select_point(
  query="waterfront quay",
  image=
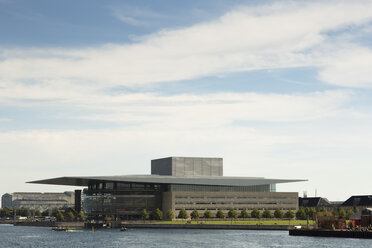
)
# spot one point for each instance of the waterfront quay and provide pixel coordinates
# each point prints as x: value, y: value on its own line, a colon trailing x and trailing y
x: 332, y: 233
x: 208, y: 226
x: 226, y: 225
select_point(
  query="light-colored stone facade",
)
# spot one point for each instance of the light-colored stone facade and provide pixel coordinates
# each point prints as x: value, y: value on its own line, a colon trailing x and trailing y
x: 42, y: 201
x: 225, y: 201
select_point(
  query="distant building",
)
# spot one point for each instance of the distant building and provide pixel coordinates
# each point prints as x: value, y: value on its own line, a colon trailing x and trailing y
x: 38, y: 201
x: 336, y: 204
x: 357, y: 203
x: 362, y: 218
x: 178, y: 183
x: 6, y: 201
x: 314, y: 202
x: 366, y: 217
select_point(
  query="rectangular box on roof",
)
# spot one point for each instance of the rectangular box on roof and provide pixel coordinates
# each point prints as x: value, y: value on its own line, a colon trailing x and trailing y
x: 187, y: 166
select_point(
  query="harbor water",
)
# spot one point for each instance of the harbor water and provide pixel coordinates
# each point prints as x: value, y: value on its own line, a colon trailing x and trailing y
x: 20, y: 236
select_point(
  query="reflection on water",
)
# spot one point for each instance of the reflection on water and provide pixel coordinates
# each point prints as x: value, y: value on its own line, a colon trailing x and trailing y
x: 16, y: 236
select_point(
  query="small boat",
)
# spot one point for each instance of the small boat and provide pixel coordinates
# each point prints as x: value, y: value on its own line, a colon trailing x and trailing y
x: 123, y: 228
x: 64, y: 229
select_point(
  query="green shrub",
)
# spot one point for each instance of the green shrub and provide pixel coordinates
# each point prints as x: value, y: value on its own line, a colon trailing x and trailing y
x: 71, y: 215
x: 300, y: 214
x: 145, y: 215
x: 278, y: 214
x: 342, y: 213
x: 158, y: 214
x: 289, y: 214
x: 207, y: 214
x: 170, y: 214
x: 267, y: 214
x: 244, y: 214
x: 60, y: 216
x: 183, y: 214
x: 348, y: 213
x: 80, y: 215
x: 194, y: 214
x: 220, y: 214
x: 232, y: 213
x: 255, y: 213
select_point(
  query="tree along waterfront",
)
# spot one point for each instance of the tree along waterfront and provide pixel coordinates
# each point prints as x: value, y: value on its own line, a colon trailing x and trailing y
x: 71, y: 215
x: 59, y: 214
x: 266, y: 216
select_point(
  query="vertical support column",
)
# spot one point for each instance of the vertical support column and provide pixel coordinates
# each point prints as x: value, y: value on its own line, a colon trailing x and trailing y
x: 77, y: 200
x: 167, y: 203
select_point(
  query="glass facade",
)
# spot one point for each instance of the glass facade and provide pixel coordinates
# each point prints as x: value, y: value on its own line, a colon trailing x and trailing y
x: 120, y: 200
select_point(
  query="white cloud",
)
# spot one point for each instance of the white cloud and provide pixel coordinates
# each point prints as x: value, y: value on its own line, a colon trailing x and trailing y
x: 224, y: 108
x: 181, y: 110
x: 276, y: 36
x: 349, y: 68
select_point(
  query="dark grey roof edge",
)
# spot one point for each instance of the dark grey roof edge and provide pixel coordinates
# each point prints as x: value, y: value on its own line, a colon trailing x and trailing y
x: 184, y: 157
x: 222, y: 181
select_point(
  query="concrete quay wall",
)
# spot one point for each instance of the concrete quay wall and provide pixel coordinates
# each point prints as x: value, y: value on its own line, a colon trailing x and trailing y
x: 209, y: 226
x: 51, y: 224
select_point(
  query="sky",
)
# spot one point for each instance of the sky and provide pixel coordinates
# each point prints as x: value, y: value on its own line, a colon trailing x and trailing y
x: 278, y: 89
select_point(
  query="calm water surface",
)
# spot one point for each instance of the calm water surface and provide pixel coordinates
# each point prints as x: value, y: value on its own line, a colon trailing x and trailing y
x: 16, y: 236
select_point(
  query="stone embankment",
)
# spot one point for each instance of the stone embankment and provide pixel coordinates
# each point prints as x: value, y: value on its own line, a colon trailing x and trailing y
x: 149, y: 224
x: 50, y: 224
x: 208, y: 226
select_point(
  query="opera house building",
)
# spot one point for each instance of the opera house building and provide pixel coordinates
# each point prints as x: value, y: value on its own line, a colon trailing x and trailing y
x: 177, y: 183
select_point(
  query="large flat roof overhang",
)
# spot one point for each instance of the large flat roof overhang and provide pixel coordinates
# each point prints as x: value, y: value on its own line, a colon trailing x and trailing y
x: 155, y: 179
